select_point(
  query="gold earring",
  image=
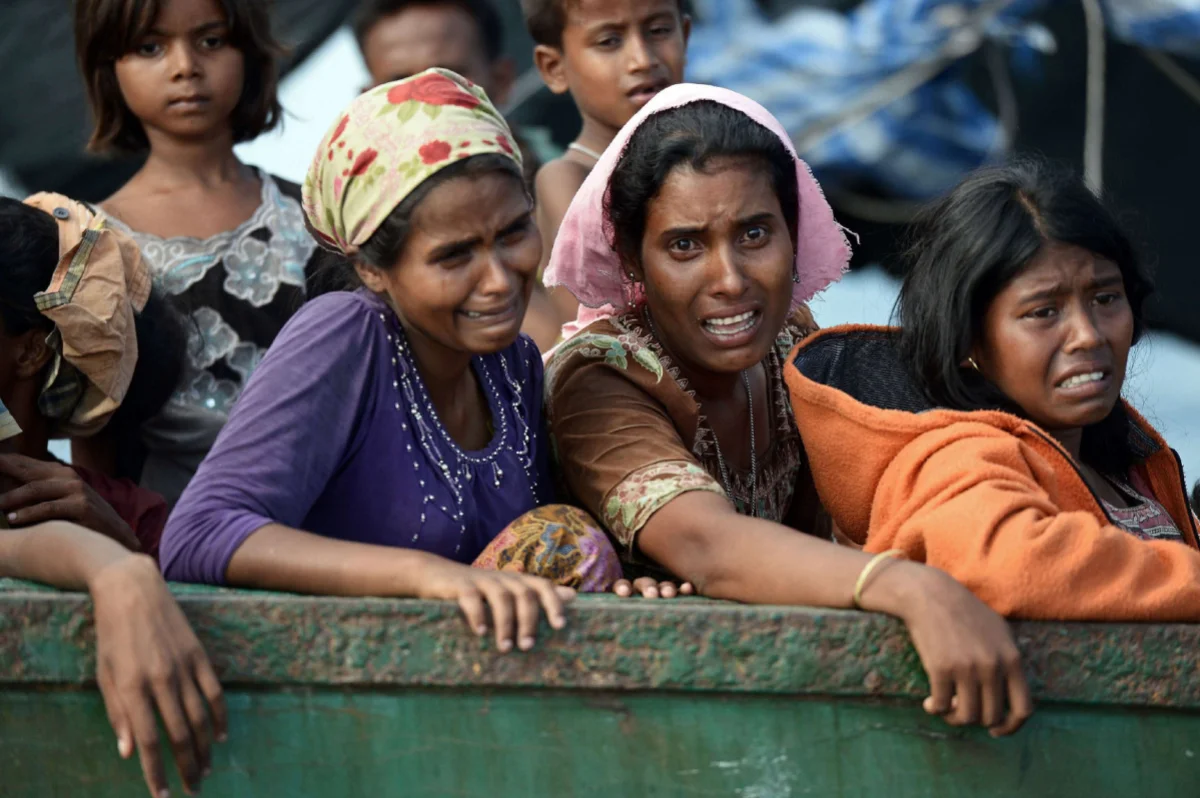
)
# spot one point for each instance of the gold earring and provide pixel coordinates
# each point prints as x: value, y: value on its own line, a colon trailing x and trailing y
x: 971, y: 362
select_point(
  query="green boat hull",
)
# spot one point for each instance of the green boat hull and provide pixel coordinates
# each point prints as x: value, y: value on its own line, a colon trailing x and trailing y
x: 348, y: 698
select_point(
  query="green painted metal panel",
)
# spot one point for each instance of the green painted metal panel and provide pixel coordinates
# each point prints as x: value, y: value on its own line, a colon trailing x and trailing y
x: 502, y: 744
x: 353, y: 697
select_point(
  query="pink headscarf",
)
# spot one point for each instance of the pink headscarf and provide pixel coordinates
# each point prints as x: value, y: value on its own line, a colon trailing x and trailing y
x: 583, y: 259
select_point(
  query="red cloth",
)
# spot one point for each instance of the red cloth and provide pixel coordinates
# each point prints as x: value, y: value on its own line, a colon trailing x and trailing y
x: 145, y: 511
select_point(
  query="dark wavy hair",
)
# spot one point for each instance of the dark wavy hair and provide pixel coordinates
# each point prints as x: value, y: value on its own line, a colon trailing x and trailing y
x: 965, y: 248
x: 107, y: 30
x: 694, y: 135
x: 29, y: 253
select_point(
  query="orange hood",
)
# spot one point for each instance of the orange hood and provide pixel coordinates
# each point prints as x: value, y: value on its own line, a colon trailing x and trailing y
x: 984, y: 495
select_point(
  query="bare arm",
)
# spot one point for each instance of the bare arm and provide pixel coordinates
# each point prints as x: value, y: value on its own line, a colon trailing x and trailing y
x: 557, y: 184
x: 542, y: 321
x: 699, y: 537
x: 277, y: 557
x: 148, y: 660
x: 57, y: 553
x: 968, y: 650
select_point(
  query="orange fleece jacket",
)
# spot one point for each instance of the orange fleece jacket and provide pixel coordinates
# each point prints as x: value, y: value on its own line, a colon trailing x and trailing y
x: 987, y: 497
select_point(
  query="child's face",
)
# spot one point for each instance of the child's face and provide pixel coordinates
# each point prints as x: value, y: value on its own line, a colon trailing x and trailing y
x: 184, y: 78
x: 1056, y: 339
x: 425, y: 36
x: 618, y: 54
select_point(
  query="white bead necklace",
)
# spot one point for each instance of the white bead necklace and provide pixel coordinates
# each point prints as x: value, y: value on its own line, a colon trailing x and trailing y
x: 453, y: 465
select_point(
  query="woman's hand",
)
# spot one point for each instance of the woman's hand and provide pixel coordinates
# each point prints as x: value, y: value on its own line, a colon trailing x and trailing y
x: 513, y: 598
x: 148, y: 659
x: 50, y: 491
x: 974, y: 666
x: 651, y: 588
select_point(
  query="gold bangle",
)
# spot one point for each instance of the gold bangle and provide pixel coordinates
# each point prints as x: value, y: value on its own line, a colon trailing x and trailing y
x: 869, y: 568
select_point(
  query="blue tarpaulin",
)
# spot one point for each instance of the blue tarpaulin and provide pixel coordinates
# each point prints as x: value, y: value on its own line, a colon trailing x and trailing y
x: 877, y: 94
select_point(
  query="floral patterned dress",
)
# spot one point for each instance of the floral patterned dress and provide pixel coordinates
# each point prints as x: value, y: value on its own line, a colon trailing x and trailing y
x: 630, y: 435
x: 237, y: 289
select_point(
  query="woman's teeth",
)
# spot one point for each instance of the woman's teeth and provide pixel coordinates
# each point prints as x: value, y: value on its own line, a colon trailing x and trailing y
x: 732, y: 325
x: 1081, y: 379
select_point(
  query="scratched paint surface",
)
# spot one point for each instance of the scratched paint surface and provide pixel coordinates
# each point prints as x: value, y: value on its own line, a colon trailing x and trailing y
x: 612, y: 644
x: 497, y: 744
x: 334, y: 698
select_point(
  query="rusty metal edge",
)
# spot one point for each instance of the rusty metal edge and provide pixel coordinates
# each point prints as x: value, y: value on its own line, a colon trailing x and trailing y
x: 264, y: 639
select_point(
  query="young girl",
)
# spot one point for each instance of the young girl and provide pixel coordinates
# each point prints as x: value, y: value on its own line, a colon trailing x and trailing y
x: 184, y: 81
x: 987, y: 436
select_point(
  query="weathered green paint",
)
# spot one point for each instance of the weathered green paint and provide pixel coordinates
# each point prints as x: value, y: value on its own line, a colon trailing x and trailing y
x: 506, y: 744
x: 268, y: 638
x: 384, y: 697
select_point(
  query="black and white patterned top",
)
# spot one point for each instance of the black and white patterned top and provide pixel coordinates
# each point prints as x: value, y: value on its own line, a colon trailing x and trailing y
x: 237, y: 290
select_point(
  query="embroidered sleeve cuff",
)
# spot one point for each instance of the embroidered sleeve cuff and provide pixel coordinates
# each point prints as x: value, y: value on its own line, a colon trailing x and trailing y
x: 640, y: 495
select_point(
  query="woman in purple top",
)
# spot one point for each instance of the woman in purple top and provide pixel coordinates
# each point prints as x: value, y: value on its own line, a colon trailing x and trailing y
x: 393, y: 435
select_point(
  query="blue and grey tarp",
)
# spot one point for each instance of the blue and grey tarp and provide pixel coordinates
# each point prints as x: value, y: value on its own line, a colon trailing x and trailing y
x: 877, y: 95
x: 1172, y: 25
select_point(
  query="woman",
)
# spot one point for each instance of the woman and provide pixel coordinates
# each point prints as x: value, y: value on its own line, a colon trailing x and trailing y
x: 671, y: 417
x: 988, y: 435
x: 392, y: 433
x: 75, y: 303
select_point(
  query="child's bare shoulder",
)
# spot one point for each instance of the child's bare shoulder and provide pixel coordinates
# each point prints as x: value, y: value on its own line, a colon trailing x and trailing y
x: 558, y: 181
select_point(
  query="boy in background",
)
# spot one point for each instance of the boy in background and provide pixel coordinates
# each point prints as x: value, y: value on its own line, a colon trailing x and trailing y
x: 613, y: 56
x: 401, y: 38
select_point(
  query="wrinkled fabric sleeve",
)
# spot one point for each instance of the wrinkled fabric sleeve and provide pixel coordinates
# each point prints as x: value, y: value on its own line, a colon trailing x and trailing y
x: 620, y: 453
x: 975, y: 506
x: 287, y: 435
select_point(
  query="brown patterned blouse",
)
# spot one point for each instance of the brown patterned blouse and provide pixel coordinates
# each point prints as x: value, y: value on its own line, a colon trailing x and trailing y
x: 631, y: 437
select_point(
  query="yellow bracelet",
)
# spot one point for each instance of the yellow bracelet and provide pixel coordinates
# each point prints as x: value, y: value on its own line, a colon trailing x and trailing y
x: 869, y: 568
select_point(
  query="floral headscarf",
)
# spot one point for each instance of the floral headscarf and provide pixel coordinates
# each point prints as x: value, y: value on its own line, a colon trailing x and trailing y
x: 583, y: 259
x: 99, y: 286
x: 389, y: 141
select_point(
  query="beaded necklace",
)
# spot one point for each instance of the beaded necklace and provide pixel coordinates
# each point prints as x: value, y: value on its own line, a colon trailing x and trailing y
x: 454, y: 466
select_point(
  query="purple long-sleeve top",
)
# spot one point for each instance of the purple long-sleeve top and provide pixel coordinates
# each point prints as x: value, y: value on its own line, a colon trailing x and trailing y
x: 335, y: 435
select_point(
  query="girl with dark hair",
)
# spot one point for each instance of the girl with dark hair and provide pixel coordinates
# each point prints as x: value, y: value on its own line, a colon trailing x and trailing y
x: 697, y: 240
x: 987, y: 436
x: 183, y: 81
x: 393, y: 436
x: 74, y: 300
